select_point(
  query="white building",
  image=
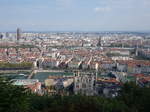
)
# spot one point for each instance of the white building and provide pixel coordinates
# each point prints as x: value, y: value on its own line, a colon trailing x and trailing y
x: 84, y: 84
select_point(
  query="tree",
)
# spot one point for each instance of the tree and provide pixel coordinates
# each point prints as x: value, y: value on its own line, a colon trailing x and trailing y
x: 135, y: 97
x: 12, y: 98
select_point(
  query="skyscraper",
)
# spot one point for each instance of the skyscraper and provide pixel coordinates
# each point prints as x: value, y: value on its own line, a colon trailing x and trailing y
x: 99, y: 44
x: 1, y: 36
x: 18, y: 33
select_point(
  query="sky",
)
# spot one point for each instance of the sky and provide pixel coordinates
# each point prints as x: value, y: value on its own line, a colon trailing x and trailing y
x: 75, y: 15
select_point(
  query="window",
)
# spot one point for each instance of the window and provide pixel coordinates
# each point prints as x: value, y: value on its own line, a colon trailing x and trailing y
x: 83, y: 85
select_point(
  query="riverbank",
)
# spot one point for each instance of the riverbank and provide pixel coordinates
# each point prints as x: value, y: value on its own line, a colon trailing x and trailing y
x: 14, y: 71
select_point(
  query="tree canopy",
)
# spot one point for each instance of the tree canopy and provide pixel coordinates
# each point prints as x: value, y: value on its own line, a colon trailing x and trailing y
x: 12, y: 98
x: 132, y: 98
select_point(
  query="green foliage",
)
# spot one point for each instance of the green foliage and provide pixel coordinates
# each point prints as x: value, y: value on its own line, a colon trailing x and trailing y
x: 113, y: 54
x: 132, y: 98
x: 142, y: 58
x: 15, y: 65
x: 12, y: 98
x: 119, y: 45
x: 26, y: 46
x: 135, y: 97
x: 17, y: 99
x: 76, y: 104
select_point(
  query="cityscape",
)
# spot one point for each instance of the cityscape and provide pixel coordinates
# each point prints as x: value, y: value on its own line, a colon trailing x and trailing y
x: 79, y: 62
x: 74, y: 56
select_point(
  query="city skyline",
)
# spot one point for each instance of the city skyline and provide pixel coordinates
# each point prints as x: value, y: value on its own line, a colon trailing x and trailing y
x: 75, y: 15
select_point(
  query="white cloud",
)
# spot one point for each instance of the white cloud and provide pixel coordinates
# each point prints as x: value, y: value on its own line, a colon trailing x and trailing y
x: 102, y: 9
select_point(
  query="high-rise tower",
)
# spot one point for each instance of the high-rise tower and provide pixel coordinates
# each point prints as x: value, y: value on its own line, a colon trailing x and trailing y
x: 1, y: 36
x: 18, y: 34
x: 100, y: 42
